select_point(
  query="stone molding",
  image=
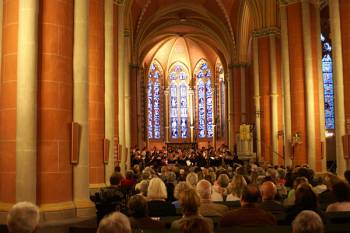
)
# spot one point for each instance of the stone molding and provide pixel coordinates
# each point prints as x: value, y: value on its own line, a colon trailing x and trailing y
x: 264, y: 32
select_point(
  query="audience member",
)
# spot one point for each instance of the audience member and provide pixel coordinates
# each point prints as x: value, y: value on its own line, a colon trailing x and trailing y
x: 248, y: 215
x: 268, y: 192
x: 190, y: 202
x: 219, y: 189
x: 23, y: 217
x: 170, y: 185
x: 207, y: 207
x: 307, y: 221
x: 157, y: 195
x: 192, y: 179
x: 139, y: 219
x: 289, y: 201
x: 341, y: 191
x: 305, y: 199
x: 195, y: 225
x: 114, y: 223
x: 347, y: 175
x: 327, y: 197
x: 235, y: 188
x: 179, y: 188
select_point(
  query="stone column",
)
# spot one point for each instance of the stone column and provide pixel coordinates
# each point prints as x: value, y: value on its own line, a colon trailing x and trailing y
x: 274, y: 98
x: 140, y: 112
x: 243, y: 94
x: 1, y: 22
x: 287, y: 119
x: 80, y: 103
x: 338, y: 84
x: 309, y: 86
x: 257, y: 97
x: 26, y: 115
x: 322, y: 125
x: 127, y: 99
x: 191, y: 112
x: 231, y: 133
x: 121, y: 76
x: 166, y: 105
x: 109, y: 87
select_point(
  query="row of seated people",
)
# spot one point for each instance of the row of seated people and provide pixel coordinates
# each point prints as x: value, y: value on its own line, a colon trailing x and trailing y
x: 258, y: 205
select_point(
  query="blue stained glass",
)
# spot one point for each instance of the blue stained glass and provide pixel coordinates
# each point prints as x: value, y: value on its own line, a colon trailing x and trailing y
x: 327, y: 70
x: 150, y: 110
x: 154, y: 101
x: 205, y: 101
x: 209, y: 96
x: 178, y: 102
x: 201, y: 109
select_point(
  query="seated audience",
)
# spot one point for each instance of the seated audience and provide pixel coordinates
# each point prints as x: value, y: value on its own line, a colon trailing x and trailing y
x: 195, y: 225
x: 341, y: 191
x: 327, y: 197
x: 249, y: 215
x: 192, y: 179
x: 114, y: 223
x: 207, y: 207
x: 157, y: 195
x: 289, y: 201
x: 307, y: 221
x: 23, y: 217
x: 235, y: 188
x: 305, y: 199
x: 268, y: 192
x: 219, y: 191
x: 179, y: 188
x: 139, y: 219
x: 190, y: 202
x: 170, y: 185
x: 347, y: 176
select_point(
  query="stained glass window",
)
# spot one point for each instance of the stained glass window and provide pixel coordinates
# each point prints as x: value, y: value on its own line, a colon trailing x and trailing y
x: 205, y: 100
x: 155, y: 75
x: 178, y: 87
x: 327, y: 72
x: 219, y: 74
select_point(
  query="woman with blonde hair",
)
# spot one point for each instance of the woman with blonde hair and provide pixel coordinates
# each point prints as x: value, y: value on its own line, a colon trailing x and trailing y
x: 156, y: 196
x: 235, y: 188
x: 190, y: 202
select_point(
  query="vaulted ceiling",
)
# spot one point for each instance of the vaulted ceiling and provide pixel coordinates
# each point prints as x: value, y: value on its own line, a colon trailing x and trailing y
x: 224, y: 25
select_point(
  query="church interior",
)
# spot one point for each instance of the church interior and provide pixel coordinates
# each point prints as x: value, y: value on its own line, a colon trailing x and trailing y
x: 86, y: 83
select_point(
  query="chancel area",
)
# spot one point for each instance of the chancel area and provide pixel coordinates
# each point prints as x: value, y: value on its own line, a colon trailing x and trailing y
x: 193, y: 116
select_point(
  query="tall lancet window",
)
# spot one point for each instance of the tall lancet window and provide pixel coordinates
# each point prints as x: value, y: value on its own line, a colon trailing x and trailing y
x: 178, y: 86
x: 220, y: 97
x: 204, y: 100
x: 327, y: 71
x: 155, y: 75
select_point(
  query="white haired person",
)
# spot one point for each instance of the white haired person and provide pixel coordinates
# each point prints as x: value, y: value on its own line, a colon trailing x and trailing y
x: 157, y: 195
x: 307, y: 221
x: 114, y: 223
x: 23, y: 218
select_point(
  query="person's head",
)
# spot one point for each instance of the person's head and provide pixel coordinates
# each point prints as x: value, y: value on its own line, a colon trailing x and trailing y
x: 307, y: 221
x: 250, y: 195
x: 180, y: 187
x: 170, y: 177
x: 204, y: 189
x: 305, y: 198
x: 341, y: 191
x: 347, y: 175
x: 143, y: 188
x: 195, y: 224
x: 268, y: 191
x: 237, y: 184
x: 138, y: 206
x: 300, y: 180
x: 156, y: 189
x: 23, y: 217
x: 114, y: 223
x: 115, y: 178
x: 129, y: 174
x: 330, y: 180
x: 189, y: 202
x: 223, y: 180
x: 192, y: 179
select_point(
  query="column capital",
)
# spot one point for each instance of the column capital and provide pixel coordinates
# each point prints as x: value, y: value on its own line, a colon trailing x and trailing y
x: 119, y: 2
x: 126, y: 32
x: 264, y: 32
x: 237, y: 65
x: 290, y: 2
